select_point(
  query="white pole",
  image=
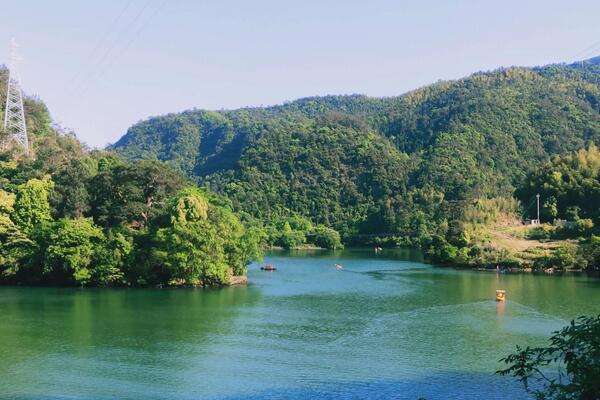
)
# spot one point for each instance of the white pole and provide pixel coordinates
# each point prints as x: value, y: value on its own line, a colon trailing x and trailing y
x: 538, y: 208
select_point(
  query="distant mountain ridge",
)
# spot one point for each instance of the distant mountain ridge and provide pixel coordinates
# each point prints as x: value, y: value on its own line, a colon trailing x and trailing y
x: 593, y: 60
x: 359, y: 164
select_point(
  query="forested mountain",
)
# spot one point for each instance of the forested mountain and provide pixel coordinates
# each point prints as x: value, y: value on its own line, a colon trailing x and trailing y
x: 410, y: 166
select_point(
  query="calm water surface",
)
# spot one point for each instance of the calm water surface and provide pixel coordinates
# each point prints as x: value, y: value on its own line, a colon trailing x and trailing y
x: 386, y: 326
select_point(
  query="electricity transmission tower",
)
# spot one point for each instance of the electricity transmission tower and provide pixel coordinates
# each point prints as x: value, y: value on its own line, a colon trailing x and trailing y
x: 14, y: 113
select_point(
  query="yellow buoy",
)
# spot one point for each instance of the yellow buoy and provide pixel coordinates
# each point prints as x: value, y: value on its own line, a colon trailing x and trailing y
x: 500, y: 295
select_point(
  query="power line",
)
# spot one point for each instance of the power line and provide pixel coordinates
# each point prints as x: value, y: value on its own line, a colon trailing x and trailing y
x: 115, y: 43
x: 102, y: 41
x: 132, y: 38
x: 135, y: 35
x: 590, y: 50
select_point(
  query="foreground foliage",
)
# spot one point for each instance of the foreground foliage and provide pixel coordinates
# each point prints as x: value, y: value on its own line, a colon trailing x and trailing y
x: 569, y: 368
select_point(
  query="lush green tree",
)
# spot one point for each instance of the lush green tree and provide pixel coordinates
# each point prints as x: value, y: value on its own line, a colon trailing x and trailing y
x: 7, y: 171
x: 70, y: 253
x: 568, y: 368
x: 203, y: 243
x: 550, y: 208
x: 15, y: 247
x: 191, y: 249
x: 112, y: 258
x: 241, y: 245
x: 564, y: 257
x: 299, y: 223
x: 131, y: 194
x: 31, y: 205
x: 70, y: 196
x: 592, y: 251
x: 7, y: 202
x: 325, y: 237
x: 289, y: 238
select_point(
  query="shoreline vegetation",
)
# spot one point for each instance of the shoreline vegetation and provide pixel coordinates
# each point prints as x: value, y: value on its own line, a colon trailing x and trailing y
x: 101, y: 221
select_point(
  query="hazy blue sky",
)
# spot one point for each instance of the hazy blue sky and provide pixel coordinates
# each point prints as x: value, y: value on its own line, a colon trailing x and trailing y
x: 103, y: 65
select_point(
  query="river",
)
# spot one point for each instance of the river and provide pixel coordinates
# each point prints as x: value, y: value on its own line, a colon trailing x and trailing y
x: 385, y: 326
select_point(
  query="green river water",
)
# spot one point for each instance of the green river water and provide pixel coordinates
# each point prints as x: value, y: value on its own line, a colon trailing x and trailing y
x: 387, y: 326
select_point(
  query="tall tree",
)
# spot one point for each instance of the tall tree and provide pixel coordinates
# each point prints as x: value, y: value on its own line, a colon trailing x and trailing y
x: 31, y: 204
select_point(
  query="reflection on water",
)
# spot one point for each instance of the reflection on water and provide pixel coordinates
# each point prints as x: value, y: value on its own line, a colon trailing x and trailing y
x: 500, y: 308
x: 385, y: 326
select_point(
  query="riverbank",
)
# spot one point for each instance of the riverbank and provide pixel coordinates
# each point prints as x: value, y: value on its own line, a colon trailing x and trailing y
x: 515, y: 247
x: 508, y: 245
x: 302, y: 247
x: 234, y: 280
x: 238, y: 280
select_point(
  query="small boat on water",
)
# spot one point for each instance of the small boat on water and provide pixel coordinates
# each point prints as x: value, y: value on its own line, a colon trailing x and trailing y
x: 338, y: 267
x: 268, y: 267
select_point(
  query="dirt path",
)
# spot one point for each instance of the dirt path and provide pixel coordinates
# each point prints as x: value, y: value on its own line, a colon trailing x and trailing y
x: 504, y: 239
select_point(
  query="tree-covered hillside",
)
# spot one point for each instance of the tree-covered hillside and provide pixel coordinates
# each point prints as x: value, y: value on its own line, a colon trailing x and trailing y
x: 73, y: 217
x: 410, y: 166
